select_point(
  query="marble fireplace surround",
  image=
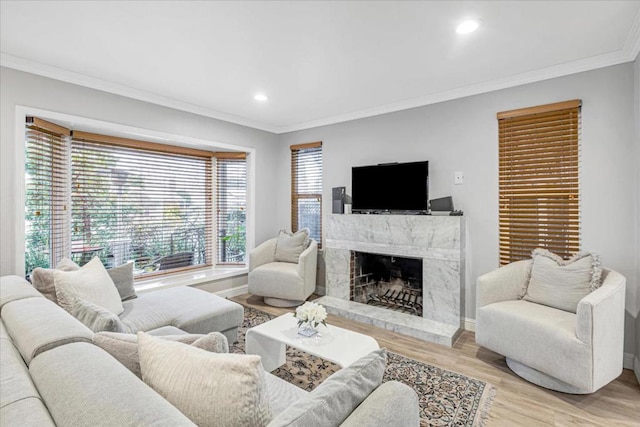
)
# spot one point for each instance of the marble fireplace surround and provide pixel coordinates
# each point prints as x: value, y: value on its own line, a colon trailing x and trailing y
x: 437, y: 240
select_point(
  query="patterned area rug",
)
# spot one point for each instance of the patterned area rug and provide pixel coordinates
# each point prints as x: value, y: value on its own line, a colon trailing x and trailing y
x: 446, y: 398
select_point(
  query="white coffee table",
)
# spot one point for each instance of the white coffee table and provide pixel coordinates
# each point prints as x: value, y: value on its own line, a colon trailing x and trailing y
x: 337, y: 345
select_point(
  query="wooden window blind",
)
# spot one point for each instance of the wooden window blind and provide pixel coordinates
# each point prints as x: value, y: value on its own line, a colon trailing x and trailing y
x: 538, y: 180
x: 47, y: 193
x: 306, y: 188
x: 231, y: 206
x: 133, y: 200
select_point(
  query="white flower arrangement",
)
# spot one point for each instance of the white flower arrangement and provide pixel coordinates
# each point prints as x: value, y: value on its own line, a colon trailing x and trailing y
x: 311, y: 313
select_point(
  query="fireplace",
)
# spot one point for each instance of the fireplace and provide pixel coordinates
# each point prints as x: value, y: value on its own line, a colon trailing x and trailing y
x: 437, y: 242
x: 387, y: 281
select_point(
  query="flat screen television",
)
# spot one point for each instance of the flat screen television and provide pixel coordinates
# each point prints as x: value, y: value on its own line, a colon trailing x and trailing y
x: 391, y: 188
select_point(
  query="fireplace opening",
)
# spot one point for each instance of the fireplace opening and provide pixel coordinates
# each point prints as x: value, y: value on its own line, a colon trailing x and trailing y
x: 387, y: 281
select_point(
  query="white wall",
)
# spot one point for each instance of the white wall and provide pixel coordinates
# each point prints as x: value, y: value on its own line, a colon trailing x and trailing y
x: 461, y: 135
x: 23, y: 89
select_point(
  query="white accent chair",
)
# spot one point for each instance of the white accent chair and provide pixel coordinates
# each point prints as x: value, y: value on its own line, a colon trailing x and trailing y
x: 282, y: 284
x: 574, y: 353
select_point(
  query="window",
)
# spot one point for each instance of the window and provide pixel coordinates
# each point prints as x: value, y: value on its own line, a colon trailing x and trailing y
x: 306, y: 188
x: 122, y: 200
x: 538, y: 180
x: 231, y: 204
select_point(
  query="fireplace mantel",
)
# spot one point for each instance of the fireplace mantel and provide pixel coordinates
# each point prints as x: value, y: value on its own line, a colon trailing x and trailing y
x: 437, y: 240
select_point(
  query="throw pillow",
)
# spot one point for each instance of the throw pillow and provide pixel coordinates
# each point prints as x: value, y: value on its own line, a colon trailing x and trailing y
x: 91, y: 283
x: 96, y: 318
x: 122, y: 277
x: 42, y: 278
x: 290, y: 246
x: 211, y: 389
x: 562, y: 284
x: 124, y: 347
x: 337, y: 397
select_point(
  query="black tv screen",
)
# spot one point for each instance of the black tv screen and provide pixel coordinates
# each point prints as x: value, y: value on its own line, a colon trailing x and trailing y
x: 391, y: 187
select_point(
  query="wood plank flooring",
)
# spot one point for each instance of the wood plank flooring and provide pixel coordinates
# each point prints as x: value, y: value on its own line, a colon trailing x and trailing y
x: 517, y: 402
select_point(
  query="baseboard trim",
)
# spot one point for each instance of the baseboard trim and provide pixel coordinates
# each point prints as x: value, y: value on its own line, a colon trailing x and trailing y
x: 636, y: 367
x: 233, y: 292
x: 627, y: 361
x: 469, y: 324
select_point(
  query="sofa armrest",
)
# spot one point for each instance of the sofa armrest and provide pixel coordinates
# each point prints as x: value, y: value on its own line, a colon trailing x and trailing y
x: 307, y: 266
x: 391, y: 404
x: 503, y: 284
x: 602, y: 309
x: 262, y: 254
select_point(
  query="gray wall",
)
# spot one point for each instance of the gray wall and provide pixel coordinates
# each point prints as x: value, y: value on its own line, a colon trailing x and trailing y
x: 19, y: 88
x: 461, y: 135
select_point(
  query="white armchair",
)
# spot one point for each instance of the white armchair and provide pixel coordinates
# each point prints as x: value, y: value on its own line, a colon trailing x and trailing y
x: 569, y: 352
x: 282, y: 284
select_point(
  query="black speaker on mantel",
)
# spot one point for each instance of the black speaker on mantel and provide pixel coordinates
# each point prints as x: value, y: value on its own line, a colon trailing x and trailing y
x: 338, y: 199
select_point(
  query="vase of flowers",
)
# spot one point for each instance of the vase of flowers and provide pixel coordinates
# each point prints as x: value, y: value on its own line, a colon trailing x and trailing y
x: 309, y: 316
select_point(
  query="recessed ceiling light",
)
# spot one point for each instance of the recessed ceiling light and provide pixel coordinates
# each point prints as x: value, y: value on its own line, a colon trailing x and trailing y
x: 468, y: 26
x: 261, y: 97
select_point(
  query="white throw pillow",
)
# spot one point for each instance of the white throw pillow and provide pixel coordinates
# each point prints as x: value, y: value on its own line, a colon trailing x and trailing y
x: 562, y: 284
x: 290, y: 246
x: 91, y: 283
x: 211, y: 389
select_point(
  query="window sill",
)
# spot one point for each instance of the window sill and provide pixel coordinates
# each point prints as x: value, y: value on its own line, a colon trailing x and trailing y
x: 189, y: 278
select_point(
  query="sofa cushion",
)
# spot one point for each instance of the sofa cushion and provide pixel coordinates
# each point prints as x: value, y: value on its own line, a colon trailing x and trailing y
x: 4, y: 335
x: 37, y: 325
x: 192, y: 310
x: 290, y: 246
x: 541, y: 337
x: 13, y: 288
x: 338, y: 396
x: 91, y: 283
x: 42, y: 278
x: 562, y: 284
x: 15, y: 381
x: 124, y: 347
x: 278, y: 280
x: 26, y: 412
x: 96, y: 318
x: 122, y: 277
x: 85, y: 386
x: 211, y: 389
x: 282, y: 394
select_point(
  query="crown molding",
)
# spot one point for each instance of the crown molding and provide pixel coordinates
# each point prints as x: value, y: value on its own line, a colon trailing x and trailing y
x: 628, y: 53
x: 33, y: 67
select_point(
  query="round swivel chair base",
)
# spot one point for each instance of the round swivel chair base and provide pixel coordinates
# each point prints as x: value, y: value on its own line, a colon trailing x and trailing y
x: 543, y: 380
x: 277, y: 302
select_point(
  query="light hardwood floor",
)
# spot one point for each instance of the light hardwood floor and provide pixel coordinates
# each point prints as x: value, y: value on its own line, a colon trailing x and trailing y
x: 517, y: 402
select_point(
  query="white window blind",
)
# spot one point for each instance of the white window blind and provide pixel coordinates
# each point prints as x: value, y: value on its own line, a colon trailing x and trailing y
x: 231, y: 203
x: 306, y: 188
x: 539, y: 180
x: 47, y: 192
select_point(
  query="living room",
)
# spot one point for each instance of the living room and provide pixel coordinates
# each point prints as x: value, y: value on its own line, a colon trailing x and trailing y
x: 452, y: 127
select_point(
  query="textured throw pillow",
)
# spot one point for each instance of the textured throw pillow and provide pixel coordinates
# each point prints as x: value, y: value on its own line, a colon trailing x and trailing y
x: 210, y: 389
x: 96, y: 318
x: 122, y: 277
x: 124, y: 347
x: 562, y: 284
x: 91, y: 283
x: 42, y: 278
x: 337, y: 397
x: 290, y: 246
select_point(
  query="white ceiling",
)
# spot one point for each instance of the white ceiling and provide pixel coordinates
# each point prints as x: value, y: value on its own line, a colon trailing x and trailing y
x: 319, y: 62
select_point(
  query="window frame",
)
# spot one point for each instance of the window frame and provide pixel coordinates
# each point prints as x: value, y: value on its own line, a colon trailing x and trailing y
x: 181, y: 141
x: 295, y: 196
